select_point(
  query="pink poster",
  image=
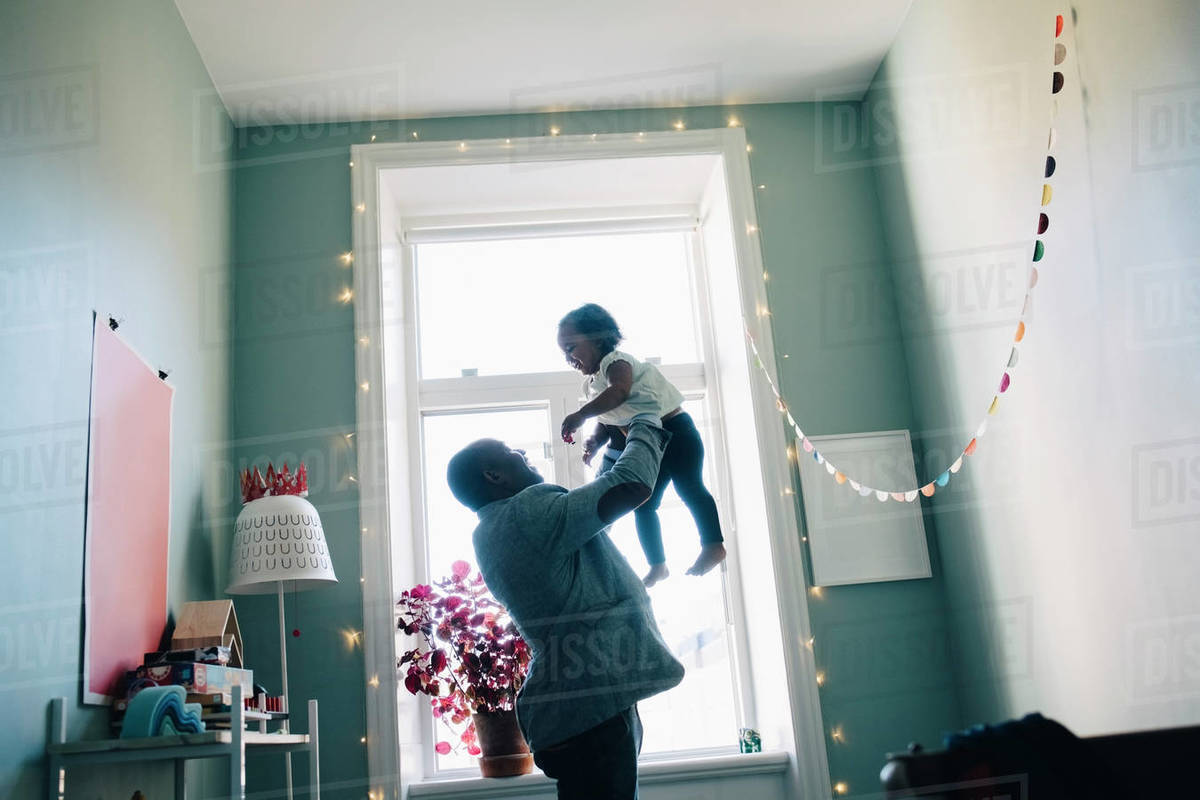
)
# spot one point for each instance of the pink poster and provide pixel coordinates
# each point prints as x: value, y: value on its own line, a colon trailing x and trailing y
x: 128, y: 513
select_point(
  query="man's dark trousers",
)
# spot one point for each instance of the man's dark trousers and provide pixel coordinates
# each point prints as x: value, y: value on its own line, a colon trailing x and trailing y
x: 598, y: 764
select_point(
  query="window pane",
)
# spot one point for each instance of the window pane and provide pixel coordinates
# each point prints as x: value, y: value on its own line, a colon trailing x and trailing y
x: 494, y: 306
x: 701, y: 711
x: 449, y: 524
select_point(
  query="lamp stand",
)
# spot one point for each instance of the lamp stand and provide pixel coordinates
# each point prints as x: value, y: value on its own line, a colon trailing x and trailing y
x: 287, y: 757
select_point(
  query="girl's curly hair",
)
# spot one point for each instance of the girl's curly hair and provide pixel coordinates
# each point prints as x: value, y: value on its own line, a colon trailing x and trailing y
x: 594, y: 322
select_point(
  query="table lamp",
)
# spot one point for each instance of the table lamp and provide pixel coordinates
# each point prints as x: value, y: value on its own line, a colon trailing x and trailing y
x: 278, y: 540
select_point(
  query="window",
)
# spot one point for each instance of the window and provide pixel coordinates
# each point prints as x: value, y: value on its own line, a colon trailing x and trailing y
x: 477, y: 381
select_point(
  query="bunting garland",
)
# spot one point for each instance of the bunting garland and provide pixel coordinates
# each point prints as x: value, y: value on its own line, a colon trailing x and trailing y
x: 909, y: 494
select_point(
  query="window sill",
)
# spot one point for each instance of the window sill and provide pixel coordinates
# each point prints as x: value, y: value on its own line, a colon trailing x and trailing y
x: 649, y: 772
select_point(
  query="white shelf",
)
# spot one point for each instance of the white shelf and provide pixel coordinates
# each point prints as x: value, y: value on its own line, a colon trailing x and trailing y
x: 230, y: 744
x: 249, y: 738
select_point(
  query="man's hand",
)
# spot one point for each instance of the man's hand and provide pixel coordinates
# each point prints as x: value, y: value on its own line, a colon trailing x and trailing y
x: 571, y: 423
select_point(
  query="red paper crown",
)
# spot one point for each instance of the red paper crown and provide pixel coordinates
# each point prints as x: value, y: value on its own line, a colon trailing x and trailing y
x: 254, y: 485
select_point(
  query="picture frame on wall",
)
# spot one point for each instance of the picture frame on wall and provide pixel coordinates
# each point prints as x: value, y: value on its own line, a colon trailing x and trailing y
x: 855, y: 539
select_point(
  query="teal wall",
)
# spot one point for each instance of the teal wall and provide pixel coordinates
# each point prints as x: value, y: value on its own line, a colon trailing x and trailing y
x: 884, y: 646
x: 116, y: 196
x: 1069, y: 542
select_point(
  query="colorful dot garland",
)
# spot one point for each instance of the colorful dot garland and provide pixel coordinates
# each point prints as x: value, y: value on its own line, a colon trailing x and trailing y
x: 909, y: 495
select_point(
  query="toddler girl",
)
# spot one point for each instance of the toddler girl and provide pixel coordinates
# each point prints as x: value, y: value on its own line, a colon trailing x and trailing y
x: 618, y: 388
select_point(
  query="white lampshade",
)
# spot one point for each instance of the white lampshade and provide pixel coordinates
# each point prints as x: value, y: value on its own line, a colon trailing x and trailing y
x: 278, y: 538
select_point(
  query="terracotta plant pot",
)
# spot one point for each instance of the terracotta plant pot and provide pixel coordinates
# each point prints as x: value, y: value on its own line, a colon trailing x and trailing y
x: 505, y: 752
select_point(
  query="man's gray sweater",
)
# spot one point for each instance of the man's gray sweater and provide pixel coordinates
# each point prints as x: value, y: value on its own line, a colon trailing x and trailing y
x: 545, y: 554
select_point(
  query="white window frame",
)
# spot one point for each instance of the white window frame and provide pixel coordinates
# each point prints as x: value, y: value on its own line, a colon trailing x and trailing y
x: 561, y: 392
x: 380, y: 326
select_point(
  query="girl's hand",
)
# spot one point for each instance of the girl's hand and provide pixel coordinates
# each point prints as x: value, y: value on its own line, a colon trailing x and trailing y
x: 571, y: 423
x: 591, y: 446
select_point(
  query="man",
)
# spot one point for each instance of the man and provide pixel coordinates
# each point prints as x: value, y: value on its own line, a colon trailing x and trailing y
x: 597, y: 651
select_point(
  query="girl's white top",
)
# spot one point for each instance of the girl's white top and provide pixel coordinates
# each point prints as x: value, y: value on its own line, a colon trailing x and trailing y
x: 651, y: 393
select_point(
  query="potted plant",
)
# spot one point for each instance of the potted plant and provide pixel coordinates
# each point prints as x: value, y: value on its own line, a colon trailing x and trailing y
x: 471, y: 662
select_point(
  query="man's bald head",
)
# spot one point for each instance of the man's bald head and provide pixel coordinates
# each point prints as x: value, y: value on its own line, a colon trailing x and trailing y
x: 488, y: 470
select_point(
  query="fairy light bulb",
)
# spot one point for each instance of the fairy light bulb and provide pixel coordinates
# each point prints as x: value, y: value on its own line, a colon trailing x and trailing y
x: 372, y: 137
x: 347, y: 295
x: 347, y: 258
x: 364, y: 341
x: 555, y: 130
x: 366, y: 387
x: 361, y: 207
x: 414, y: 135
x: 373, y: 682
x: 678, y: 125
x: 462, y: 147
x: 734, y: 122
x: 751, y: 228
x: 810, y: 641
x: 749, y: 148
x: 351, y: 164
x: 837, y: 735
x: 841, y: 788
x: 821, y: 678
x: 816, y: 591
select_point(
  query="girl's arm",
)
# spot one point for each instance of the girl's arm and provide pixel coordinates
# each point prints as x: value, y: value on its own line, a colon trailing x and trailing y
x: 620, y: 384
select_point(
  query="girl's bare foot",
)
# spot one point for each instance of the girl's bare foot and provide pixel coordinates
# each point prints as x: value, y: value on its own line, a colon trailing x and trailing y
x: 710, y: 556
x: 657, y: 573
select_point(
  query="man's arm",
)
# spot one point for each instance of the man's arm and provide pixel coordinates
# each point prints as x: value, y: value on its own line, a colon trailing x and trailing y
x: 584, y: 512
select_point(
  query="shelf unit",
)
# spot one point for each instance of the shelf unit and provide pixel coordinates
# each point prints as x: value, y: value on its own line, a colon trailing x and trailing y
x: 232, y: 744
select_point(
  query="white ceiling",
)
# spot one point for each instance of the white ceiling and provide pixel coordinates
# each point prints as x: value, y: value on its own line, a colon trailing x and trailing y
x: 279, y: 61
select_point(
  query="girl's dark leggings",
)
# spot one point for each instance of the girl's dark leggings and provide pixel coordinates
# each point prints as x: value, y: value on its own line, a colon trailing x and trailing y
x: 683, y: 464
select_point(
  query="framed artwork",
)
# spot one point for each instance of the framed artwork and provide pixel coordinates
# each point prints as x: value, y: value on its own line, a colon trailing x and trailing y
x: 856, y: 539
